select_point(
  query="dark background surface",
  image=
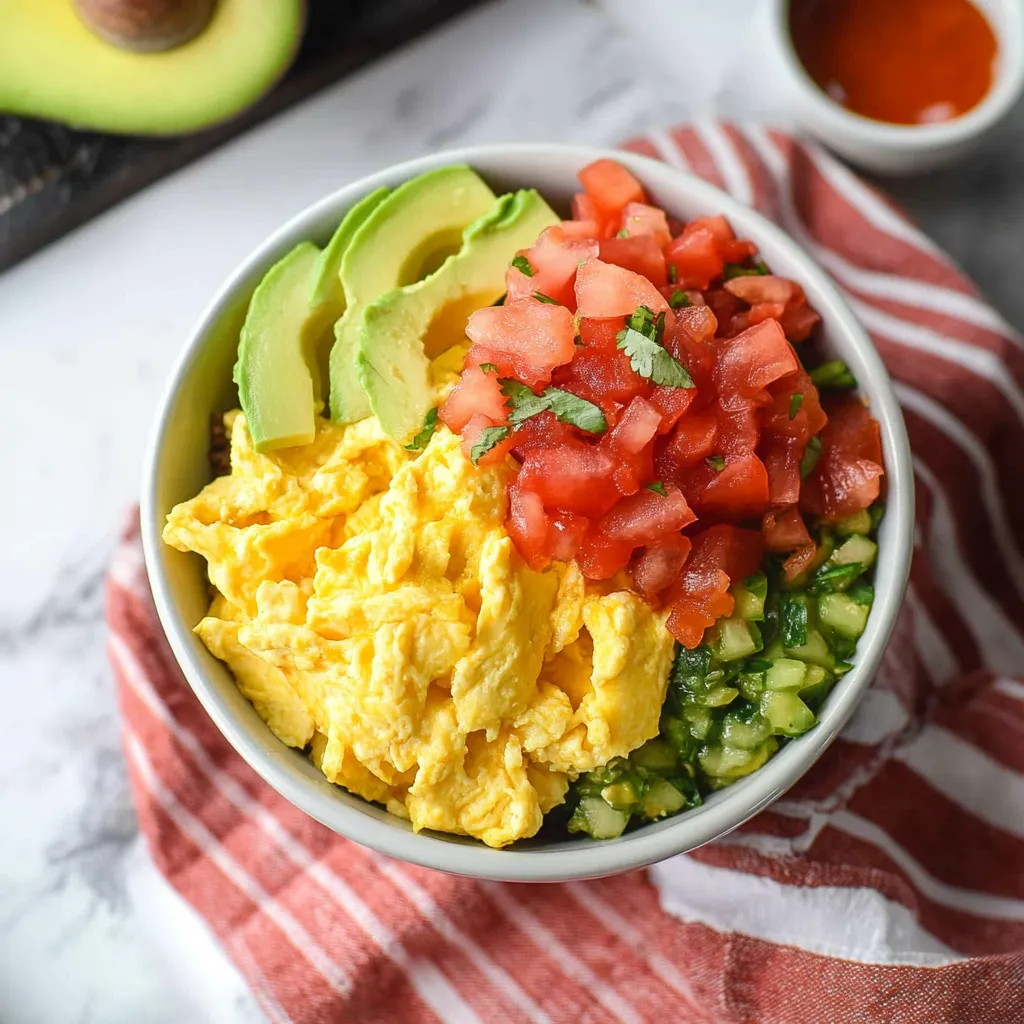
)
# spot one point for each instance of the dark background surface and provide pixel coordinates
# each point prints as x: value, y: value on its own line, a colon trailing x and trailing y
x: 53, y: 178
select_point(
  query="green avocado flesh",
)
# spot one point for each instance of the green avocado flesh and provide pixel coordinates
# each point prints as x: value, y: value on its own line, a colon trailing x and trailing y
x: 277, y: 369
x: 52, y: 66
x: 408, y: 235
x: 400, y: 332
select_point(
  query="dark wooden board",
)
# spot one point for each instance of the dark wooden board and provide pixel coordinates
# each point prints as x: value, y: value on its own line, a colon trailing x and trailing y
x: 54, y: 178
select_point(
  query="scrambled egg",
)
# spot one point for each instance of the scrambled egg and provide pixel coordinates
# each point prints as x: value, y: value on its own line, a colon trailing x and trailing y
x: 375, y: 612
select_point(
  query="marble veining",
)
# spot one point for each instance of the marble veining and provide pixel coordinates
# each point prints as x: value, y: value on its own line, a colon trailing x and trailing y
x: 88, y: 331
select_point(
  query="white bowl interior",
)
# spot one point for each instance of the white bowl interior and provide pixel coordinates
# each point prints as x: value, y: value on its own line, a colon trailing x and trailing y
x: 177, y: 468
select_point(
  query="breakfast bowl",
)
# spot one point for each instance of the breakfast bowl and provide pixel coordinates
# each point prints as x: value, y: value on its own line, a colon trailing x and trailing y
x: 202, y: 386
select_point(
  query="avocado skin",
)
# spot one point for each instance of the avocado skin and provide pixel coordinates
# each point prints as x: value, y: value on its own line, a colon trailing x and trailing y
x: 418, y: 220
x: 52, y: 66
x: 392, y: 362
x: 276, y: 372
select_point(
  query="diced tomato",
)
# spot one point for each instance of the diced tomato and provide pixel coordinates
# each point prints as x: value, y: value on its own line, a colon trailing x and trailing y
x: 762, y: 311
x: 610, y: 185
x: 785, y: 530
x: 585, y: 210
x: 646, y: 516
x: 753, y: 359
x: 600, y: 332
x: 739, y: 490
x: 737, y: 552
x: 567, y: 533
x: 472, y: 433
x: 693, y: 296
x: 600, y: 375
x: 739, y: 425
x: 725, y: 306
x: 640, y: 253
x: 780, y: 417
x: 553, y: 259
x: 571, y: 479
x: 671, y: 403
x: 695, y: 257
x: 798, y: 322
x: 694, y: 438
x: 543, y: 431
x: 535, y: 336
x: 659, y: 565
x: 579, y: 230
x: 529, y: 526
x: 731, y: 248
x: 600, y: 558
x: 632, y: 470
x: 799, y: 560
x: 641, y: 219
x: 698, y: 323
x: 781, y: 457
x: 638, y: 425
x: 846, y: 477
x: 477, y: 393
x: 605, y: 290
x: 583, y: 207
x: 757, y: 288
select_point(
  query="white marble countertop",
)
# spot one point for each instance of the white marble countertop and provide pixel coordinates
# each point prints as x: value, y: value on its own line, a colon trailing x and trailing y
x: 89, y: 328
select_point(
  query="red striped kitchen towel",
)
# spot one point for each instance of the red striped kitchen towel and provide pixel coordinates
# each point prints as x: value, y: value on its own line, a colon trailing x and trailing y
x: 887, y: 886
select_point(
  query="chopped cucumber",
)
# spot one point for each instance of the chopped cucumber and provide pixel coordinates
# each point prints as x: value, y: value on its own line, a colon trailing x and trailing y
x: 831, y: 578
x: 817, y: 684
x: 856, y: 550
x: 746, y: 732
x: 719, y: 696
x: 841, y: 613
x: 815, y: 650
x: 661, y: 800
x: 750, y: 596
x: 750, y: 684
x: 859, y: 522
x: 598, y: 818
x: 877, y: 513
x: 734, y: 639
x: 624, y: 795
x: 787, y: 713
x: 786, y: 674
x: 700, y: 721
x: 656, y: 756
x: 793, y: 619
x: 724, y: 764
x: 862, y: 593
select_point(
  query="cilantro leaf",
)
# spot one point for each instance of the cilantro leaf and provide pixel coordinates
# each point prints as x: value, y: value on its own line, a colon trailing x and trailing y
x: 422, y: 439
x: 566, y: 406
x: 738, y: 270
x: 679, y: 299
x: 795, y: 401
x: 624, y: 233
x: 522, y: 264
x: 541, y: 297
x: 811, y: 455
x: 488, y: 368
x: 650, y: 359
x: 491, y: 437
x: 673, y: 275
x: 716, y: 462
x: 658, y: 487
x: 834, y: 375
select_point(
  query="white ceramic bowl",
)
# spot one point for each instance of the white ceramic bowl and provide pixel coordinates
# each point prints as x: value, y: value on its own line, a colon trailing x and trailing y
x: 176, y: 468
x: 903, y: 149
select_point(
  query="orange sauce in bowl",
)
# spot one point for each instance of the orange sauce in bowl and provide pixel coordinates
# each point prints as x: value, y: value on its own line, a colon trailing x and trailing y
x: 902, y: 61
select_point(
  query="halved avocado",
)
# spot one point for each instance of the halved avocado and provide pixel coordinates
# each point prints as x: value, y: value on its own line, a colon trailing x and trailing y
x: 53, y: 66
x: 404, y: 239
x: 402, y: 331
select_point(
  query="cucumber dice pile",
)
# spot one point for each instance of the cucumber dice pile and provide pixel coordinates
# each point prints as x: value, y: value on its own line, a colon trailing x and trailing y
x: 757, y: 679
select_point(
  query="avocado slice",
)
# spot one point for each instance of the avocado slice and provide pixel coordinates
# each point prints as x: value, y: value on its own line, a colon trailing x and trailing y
x: 326, y: 288
x: 277, y: 372
x: 407, y: 236
x: 53, y: 66
x: 402, y: 331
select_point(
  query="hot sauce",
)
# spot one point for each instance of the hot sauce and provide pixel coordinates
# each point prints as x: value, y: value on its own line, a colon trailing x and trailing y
x: 902, y: 61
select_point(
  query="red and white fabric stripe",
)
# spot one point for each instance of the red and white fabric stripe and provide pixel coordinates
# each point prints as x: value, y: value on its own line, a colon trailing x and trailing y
x: 888, y: 885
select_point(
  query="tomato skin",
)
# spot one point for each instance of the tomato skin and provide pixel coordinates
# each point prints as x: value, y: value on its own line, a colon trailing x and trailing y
x: 731, y: 248
x: 472, y: 432
x: 534, y: 337
x: 737, y: 491
x: 600, y: 558
x: 636, y: 428
x: 529, y: 526
x: 571, y: 479
x: 760, y: 288
x: 695, y: 257
x: 659, y: 565
x: 809, y: 418
x: 671, y: 404
x: 785, y: 530
x: 846, y: 478
x: 605, y: 290
x: 640, y: 254
x: 798, y: 322
x: 554, y: 258
x: 477, y: 393
x: 754, y: 359
x: 641, y: 219
x: 693, y: 438
x: 610, y: 186
x: 781, y: 457
x: 602, y: 375
x: 646, y: 516
x: 544, y: 431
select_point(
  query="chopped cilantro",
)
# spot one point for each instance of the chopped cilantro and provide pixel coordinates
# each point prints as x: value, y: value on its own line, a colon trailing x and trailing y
x: 834, y: 375
x: 624, y: 233
x: 658, y: 487
x: 488, y: 368
x: 679, y: 299
x: 491, y: 437
x: 641, y: 341
x: 578, y: 341
x: 672, y: 274
x: 644, y: 322
x: 716, y: 462
x: 738, y: 270
x: 522, y: 264
x: 567, y: 407
x: 795, y: 401
x: 541, y: 297
x: 811, y: 455
x: 422, y: 439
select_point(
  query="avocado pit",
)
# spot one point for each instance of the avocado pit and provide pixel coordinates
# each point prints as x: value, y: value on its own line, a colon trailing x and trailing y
x: 146, y: 26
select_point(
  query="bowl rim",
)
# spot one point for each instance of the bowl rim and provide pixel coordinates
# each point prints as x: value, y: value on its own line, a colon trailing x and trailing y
x: 1004, y: 92
x: 584, y: 860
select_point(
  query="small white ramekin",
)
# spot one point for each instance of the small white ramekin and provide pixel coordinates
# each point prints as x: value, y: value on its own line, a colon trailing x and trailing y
x: 903, y: 149
x: 176, y: 468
